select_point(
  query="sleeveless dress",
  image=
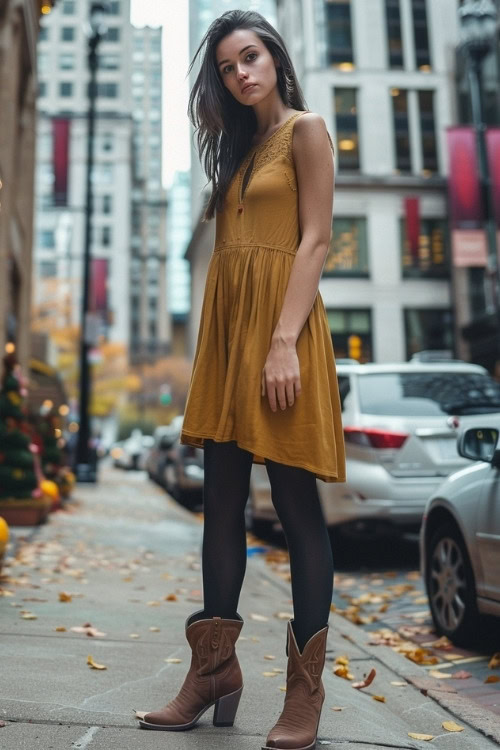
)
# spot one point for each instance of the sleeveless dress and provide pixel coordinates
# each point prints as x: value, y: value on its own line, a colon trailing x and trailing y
x: 257, y: 236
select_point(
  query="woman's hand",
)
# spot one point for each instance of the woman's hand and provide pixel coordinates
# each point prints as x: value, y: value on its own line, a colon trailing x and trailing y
x: 281, y: 375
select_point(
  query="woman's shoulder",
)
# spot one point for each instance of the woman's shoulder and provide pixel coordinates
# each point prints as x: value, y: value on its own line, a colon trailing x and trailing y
x: 308, y: 129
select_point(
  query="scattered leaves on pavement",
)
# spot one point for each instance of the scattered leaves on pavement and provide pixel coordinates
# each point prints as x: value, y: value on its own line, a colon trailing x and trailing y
x: 270, y: 674
x: 270, y: 657
x: 396, y: 683
x: 154, y: 629
x: 492, y: 678
x: 171, y: 598
x: 439, y: 675
x: 423, y: 737
x: 173, y: 660
x: 452, y: 726
x: 259, y: 618
x: 134, y: 635
x: 380, y: 698
x: 93, y: 664
x: 88, y: 630
x: 367, y: 681
x: 60, y: 629
x: 64, y: 596
x: 28, y: 616
x: 337, y: 708
x: 494, y: 662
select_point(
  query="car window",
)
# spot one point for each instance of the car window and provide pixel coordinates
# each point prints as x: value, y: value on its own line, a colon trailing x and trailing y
x: 428, y: 394
x: 344, y: 388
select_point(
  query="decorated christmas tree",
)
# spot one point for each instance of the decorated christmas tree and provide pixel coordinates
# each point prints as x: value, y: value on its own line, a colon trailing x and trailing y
x: 17, y: 471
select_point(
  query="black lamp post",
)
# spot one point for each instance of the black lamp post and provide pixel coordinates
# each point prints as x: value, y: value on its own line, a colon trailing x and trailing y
x: 478, y: 26
x: 85, y: 464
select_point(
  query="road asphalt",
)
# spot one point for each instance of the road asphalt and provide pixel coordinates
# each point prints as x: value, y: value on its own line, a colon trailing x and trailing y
x: 124, y: 558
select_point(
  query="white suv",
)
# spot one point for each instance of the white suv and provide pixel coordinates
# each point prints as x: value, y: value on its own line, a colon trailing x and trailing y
x: 400, y: 427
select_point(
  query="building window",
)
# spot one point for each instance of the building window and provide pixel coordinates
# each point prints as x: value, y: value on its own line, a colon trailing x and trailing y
x: 346, y: 115
x: 112, y: 35
x: 428, y: 329
x: 107, y: 204
x: 47, y: 269
x: 477, y: 298
x: 67, y: 34
x: 102, y: 174
x: 351, y: 333
x: 152, y: 330
x: 43, y: 62
x: 401, y: 126
x: 428, y: 130
x: 65, y: 89
x: 43, y: 34
x: 68, y: 7
x: 431, y: 258
x: 66, y: 61
x: 348, y: 251
x: 106, y: 90
x: 114, y: 8
x: 339, y: 37
x: 395, y: 43
x: 421, y: 35
x: 42, y: 88
x: 109, y: 62
x: 106, y: 236
x: 46, y: 238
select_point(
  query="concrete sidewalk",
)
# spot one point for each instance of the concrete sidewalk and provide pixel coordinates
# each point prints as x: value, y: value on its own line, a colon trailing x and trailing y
x: 129, y: 558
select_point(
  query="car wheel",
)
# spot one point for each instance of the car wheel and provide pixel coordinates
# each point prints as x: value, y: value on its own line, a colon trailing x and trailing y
x: 450, y: 586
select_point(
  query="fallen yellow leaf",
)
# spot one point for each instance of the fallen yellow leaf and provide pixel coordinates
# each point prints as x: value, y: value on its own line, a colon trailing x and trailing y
x: 259, y: 618
x: 380, y: 698
x: 283, y: 687
x: 399, y: 684
x: 337, y: 708
x: 342, y: 660
x: 153, y: 603
x: 367, y: 681
x: 494, y: 662
x: 424, y: 737
x: 134, y: 635
x: 270, y: 657
x: 173, y: 660
x: 171, y: 598
x: 451, y: 726
x: 64, y: 596
x: 29, y: 616
x: 439, y: 675
x: 61, y: 629
x: 452, y: 657
x: 154, y: 629
x: 284, y: 615
x: 94, y: 665
x: 270, y: 674
x: 278, y: 669
x: 492, y: 678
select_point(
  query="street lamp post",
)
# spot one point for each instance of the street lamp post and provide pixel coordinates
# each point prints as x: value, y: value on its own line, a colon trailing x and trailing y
x: 478, y: 25
x: 85, y: 465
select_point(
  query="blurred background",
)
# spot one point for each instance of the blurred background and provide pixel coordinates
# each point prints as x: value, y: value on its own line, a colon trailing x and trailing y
x: 102, y: 192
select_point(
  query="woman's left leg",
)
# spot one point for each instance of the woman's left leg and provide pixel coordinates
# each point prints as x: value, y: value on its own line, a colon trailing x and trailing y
x: 296, y: 500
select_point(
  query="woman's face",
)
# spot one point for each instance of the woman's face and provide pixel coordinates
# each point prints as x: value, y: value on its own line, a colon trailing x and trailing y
x: 243, y: 59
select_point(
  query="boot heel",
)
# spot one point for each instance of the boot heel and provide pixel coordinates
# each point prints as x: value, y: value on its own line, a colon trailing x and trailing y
x: 225, y: 709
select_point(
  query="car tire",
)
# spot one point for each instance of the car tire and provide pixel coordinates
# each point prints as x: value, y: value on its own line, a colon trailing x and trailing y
x: 451, y: 586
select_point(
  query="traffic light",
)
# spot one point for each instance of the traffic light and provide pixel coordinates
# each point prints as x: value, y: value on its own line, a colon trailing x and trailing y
x: 354, y: 345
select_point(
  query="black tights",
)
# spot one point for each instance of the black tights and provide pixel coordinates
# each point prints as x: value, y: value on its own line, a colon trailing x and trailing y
x: 224, y: 554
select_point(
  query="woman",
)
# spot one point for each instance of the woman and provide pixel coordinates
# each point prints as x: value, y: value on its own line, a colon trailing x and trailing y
x: 264, y: 386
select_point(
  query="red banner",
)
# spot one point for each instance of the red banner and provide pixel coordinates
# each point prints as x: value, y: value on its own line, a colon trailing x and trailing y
x: 60, y: 140
x: 493, y: 146
x: 412, y: 225
x: 99, y: 285
x: 463, y: 183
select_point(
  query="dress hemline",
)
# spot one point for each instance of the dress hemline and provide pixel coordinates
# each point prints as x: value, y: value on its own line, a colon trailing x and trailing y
x: 325, y: 476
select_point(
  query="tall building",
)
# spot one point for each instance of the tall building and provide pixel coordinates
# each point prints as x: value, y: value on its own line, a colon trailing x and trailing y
x: 19, y: 27
x: 62, y: 165
x: 381, y: 73
x: 201, y: 15
x: 178, y: 275
x: 150, y: 331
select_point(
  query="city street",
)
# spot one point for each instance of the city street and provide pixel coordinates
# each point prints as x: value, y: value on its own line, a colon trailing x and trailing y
x: 121, y: 565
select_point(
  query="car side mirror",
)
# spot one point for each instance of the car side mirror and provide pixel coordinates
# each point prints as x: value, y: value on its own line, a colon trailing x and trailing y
x: 480, y: 444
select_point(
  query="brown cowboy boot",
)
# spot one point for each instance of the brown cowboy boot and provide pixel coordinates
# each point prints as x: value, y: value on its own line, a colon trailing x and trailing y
x: 213, y: 677
x: 297, y: 727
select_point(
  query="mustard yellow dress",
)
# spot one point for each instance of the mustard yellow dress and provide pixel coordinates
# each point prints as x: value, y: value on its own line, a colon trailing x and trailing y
x: 257, y: 236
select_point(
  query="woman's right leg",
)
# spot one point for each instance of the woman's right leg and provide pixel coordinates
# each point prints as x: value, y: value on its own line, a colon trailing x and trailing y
x: 224, y: 553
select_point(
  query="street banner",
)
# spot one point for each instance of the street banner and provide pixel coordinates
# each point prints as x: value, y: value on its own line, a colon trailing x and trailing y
x: 493, y: 147
x: 412, y: 213
x: 99, y: 285
x: 464, y: 190
x: 60, y: 147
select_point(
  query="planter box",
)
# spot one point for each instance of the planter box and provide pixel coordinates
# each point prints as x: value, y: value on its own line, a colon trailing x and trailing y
x: 27, y: 512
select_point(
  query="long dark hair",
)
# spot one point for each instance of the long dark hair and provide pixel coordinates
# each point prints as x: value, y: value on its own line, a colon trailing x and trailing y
x: 226, y: 127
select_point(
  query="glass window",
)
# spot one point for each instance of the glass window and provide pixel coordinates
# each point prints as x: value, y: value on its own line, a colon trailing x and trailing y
x: 67, y: 34
x: 401, y: 127
x: 46, y: 238
x: 114, y: 8
x: 43, y: 34
x: 47, y: 269
x: 106, y: 236
x: 109, y: 62
x: 108, y: 90
x: 346, y: 115
x: 102, y: 173
x: 66, y: 61
x: 43, y: 62
x: 431, y: 258
x: 420, y: 34
x: 66, y: 89
x: 107, y: 203
x: 395, y: 43
x: 428, y: 130
x: 112, y: 34
x: 68, y: 7
x: 339, y: 38
x: 351, y: 333
x: 348, y: 251
x: 427, y: 394
x: 477, y: 299
x: 428, y: 329
x: 107, y: 141
x: 42, y: 88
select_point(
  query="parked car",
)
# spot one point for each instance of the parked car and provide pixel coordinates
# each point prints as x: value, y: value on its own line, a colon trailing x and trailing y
x: 164, y: 437
x: 131, y: 453
x: 183, y: 475
x: 400, y: 427
x: 460, y: 540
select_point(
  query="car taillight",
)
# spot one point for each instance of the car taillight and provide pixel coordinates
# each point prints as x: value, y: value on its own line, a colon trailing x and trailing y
x: 374, y: 438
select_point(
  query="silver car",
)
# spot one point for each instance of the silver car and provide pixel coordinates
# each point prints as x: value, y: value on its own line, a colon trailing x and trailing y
x: 400, y: 426
x: 460, y: 540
